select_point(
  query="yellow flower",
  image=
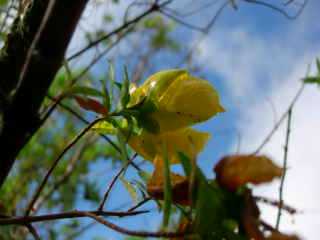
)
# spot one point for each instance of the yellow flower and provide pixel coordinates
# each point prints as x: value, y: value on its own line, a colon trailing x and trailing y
x: 187, y: 140
x: 181, y: 99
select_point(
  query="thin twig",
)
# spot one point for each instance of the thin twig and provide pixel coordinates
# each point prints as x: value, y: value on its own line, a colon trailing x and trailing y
x: 63, y: 179
x: 210, y: 24
x: 103, y: 53
x: 137, y: 233
x: 147, y: 199
x: 276, y: 203
x: 23, y: 220
x: 33, y: 231
x: 82, y: 119
x: 181, y: 22
x: 105, y: 197
x: 93, y: 215
x: 285, y: 162
x: 155, y: 7
x: 193, y: 11
x: 55, y: 163
x: 105, y: 137
x: 277, y: 9
x: 278, y: 124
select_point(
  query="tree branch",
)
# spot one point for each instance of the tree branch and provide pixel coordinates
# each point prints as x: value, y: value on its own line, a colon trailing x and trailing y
x: 19, y: 105
x: 63, y: 215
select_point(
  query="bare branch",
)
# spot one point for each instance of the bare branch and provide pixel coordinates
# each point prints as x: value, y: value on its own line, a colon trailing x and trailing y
x: 23, y: 220
x: 278, y: 124
x: 105, y: 197
x: 65, y: 176
x: 33, y: 231
x: 55, y: 163
x: 285, y: 163
x: 137, y: 233
x: 155, y: 7
x: 280, y: 10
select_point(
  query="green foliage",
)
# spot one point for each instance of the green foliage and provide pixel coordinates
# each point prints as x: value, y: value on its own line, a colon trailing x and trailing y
x: 314, y: 79
x: 161, y: 33
x: 3, y: 2
x: 213, y: 213
x: 217, y: 211
x: 124, y: 94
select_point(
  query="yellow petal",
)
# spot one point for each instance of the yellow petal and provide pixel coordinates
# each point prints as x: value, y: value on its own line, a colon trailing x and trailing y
x: 186, y: 140
x: 181, y: 99
x: 188, y: 100
x: 155, y: 85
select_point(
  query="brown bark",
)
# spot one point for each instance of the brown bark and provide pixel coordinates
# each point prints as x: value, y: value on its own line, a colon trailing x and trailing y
x: 19, y: 106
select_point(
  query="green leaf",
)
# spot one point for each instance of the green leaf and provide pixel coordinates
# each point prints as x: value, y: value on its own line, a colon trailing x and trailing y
x: 87, y: 91
x: 123, y: 145
x: 104, y: 127
x: 3, y: 2
x: 106, y: 96
x: 312, y: 80
x: 210, y: 211
x: 124, y: 94
x: 167, y: 188
x: 111, y: 78
x: 130, y: 188
x: 186, y: 164
x: 214, y: 211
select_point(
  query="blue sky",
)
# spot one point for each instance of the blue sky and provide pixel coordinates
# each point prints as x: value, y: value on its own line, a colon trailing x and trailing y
x: 255, y: 58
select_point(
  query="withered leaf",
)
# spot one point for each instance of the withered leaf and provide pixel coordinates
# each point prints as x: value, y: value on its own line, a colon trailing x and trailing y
x: 281, y: 236
x: 91, y: 105
x: 179, y: 185
x: 237, y: 170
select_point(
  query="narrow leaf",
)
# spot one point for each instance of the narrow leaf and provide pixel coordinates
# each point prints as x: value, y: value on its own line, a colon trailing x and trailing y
x: 111, y: 78
x: 130, y: 188
x: 315, y: 80
x: 91, y: 105
x: 124, y: 94
x: 106, y: 96
x: 186, y: 164
x: 104, y: 127
x: 123, y: 146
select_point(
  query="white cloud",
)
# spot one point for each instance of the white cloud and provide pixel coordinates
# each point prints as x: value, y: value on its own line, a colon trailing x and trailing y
x: 301, y: 185
x: 255, y: 69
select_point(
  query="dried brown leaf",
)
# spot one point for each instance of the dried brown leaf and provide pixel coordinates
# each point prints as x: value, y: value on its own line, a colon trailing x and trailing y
x: 179, y: 186
x: 237, y: 170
